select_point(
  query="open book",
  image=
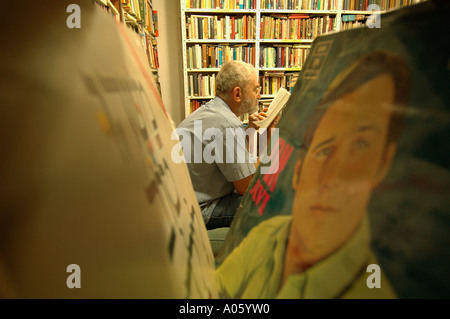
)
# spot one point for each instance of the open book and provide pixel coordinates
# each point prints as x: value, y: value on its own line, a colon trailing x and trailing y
x: 275, y: 108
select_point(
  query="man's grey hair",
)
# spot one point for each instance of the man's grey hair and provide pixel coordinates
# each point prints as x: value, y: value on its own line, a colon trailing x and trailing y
x: 232, y: 74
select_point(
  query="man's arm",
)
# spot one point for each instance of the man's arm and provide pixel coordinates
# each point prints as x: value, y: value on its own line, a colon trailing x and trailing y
x: 241, y: 185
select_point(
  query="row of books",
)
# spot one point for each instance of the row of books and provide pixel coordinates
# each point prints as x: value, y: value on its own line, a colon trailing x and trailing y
x: 151, y: 50
x: 265, y: 4
x: 221, y: 27
x: 283, y: 56
x: 353, y: 17
x: 221, y: 4
x: 271, y: 82
x: 195, y: 104
x: 300, y: 4
x: 140, y: 12
x: 104, y: 6
x: 383, y: 5
x: 204, y: 85
x: 202, y: 56
x: 135, y: 8
x: 201, y: 85
x: 151, y: 22
x: 296, y: 27
x: 213, y: 56
x: 136, y: 14
x: 352, y: 25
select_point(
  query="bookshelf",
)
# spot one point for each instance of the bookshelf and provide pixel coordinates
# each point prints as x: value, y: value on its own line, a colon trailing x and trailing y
x: 273, y: 35
x: 139, y: 16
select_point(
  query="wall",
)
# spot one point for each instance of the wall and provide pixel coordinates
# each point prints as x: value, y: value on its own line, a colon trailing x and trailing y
x: 170, y: 57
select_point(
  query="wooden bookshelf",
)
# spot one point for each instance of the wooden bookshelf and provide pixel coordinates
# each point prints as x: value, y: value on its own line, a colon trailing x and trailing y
x: 274, y: 35
x: 139, y: 16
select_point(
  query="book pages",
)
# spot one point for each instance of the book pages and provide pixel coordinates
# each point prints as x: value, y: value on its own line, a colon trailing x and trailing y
x: 275, y: 107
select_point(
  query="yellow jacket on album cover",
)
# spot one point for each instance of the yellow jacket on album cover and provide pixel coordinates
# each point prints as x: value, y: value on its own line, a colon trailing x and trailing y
x: 254, y: 268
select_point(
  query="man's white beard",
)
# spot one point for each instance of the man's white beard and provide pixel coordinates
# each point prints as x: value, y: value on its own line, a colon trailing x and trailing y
x: 248, y: 107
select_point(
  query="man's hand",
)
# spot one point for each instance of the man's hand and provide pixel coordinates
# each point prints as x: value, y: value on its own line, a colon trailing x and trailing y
x: 256, y: 117
x: 260, y: 116
x: 271, y: 126
x: 274, y: 122
x: 268, y: 132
